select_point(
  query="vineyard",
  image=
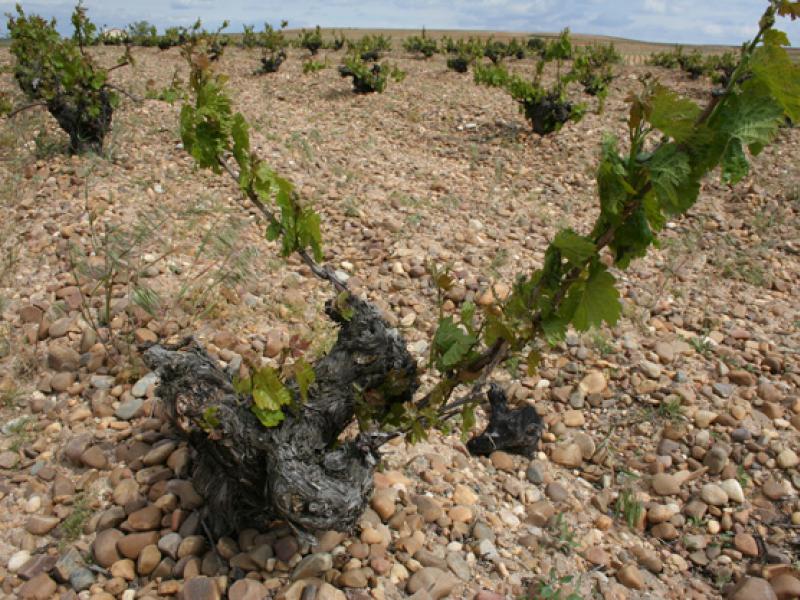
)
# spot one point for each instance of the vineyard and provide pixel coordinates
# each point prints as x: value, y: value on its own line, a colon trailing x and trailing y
x: 328, y: 314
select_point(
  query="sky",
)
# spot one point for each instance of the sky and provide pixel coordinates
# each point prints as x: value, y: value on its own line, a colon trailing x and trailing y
x: 680, y: 21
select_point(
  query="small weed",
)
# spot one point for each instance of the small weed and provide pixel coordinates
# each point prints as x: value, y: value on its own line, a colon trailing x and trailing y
x: 18, y: 431
x: 722, y: 577
x: 745, y: 269
x: 498, y: 262
x: 701, y: 346
x: 9, y: 397
x: 601, y: 342
x: 696, y: 522
x: 71, y: 528
x: 553, y: 588
x: 564, y: 534
x: 474, y: 157
x: 742, y: 476
x: 629, y: 508
x: 415, y: 219
x: 670, y: 409
x: 350, y: 208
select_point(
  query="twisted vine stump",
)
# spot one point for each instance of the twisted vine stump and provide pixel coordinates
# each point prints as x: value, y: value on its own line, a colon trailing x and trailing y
x: 516, y: 431
x: 301, y: 471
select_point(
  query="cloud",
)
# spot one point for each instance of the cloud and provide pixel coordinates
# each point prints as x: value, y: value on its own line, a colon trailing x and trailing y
x: 191, y: 4
x: 656, y: 6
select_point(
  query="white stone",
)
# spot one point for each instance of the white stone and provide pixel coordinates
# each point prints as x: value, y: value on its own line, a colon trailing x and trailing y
x: 734, y: 490
x: 17, y: 560
x: 714, y: 495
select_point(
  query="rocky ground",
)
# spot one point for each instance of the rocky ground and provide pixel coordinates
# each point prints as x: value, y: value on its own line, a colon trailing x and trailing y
x: 669, y: 463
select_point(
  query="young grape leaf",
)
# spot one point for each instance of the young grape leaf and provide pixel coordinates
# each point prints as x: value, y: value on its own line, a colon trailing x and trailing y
x: 210, y: 419
x: 495, y: 329
x: 451, y: 344
x: 467, y: 421
x: 343, y: 305
x: 595, y: 301
x: 669, y: 169
x: 790, y: 8
x: 468, y: 316
x: 308, y: 232
x: 268, y: 418
x: 304, y: 376
x: 734, y: 163
x: 241, y: 148
x: 673, y: 115
x: 555, y: 329
x: 752, y: 117
x: 611, y: 183
x: 575, y: 248
x: 268, y: 393
x: 772, y: 66
x: 532, y: 362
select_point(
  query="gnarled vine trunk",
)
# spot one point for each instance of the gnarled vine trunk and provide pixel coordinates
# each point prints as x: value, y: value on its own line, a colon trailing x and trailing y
x: 86, y: 129
x: 301, y: 471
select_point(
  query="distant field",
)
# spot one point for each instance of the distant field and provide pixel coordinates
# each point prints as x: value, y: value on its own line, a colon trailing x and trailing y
x: 634, y: 51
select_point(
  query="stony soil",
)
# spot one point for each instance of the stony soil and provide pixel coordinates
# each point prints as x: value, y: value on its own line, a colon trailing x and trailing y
x: 669, y: 463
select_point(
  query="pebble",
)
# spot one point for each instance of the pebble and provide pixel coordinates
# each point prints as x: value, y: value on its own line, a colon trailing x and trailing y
x: 40, y: 525
x: 145, y: 519
x: 631, y: 577
x: 773, y: 489
x: 787, y: 459
x: 785, y: 586
x: 18, y: 559
x: 574, y: 418
x: 434, y: 581
x: 428, y: 508
x: 94, y: 458
x: 665, y: 484
x: 746, y: 544
x: 313, y: 565
x: 355, y: 578
x: 714, y: 495
x: 285, y: 548
x: 249, y: 589
x: 568, y: 455
x: 139, y: 388
x: 534, y: 474
x: 464, y: 495
x: 594, y: 382
x: 104, y: 547
x: 8, y: 459
x: 40, y: 587
x: 733, y: 489
x: 502, y: 461
x: 650, y: 369
x: 704, y: 418
x: 148, y: 559
x: 129, y: 409
x: 201, y: 588
x: 752, y: 588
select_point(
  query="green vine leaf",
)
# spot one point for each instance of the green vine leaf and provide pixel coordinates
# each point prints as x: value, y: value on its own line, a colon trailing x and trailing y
x: 669, y: 171
x: 773, y: 66
x: 595, y: 301
x: 304, y: 376
x: 241, y: 149
x: 672, y: 114
x: 575, y: 248
x: 343, y: 305
x: 268, y: 393
x: 451, y: 344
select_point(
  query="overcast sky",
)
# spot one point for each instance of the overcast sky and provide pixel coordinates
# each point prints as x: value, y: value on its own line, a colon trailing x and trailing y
x: 684, y: 21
